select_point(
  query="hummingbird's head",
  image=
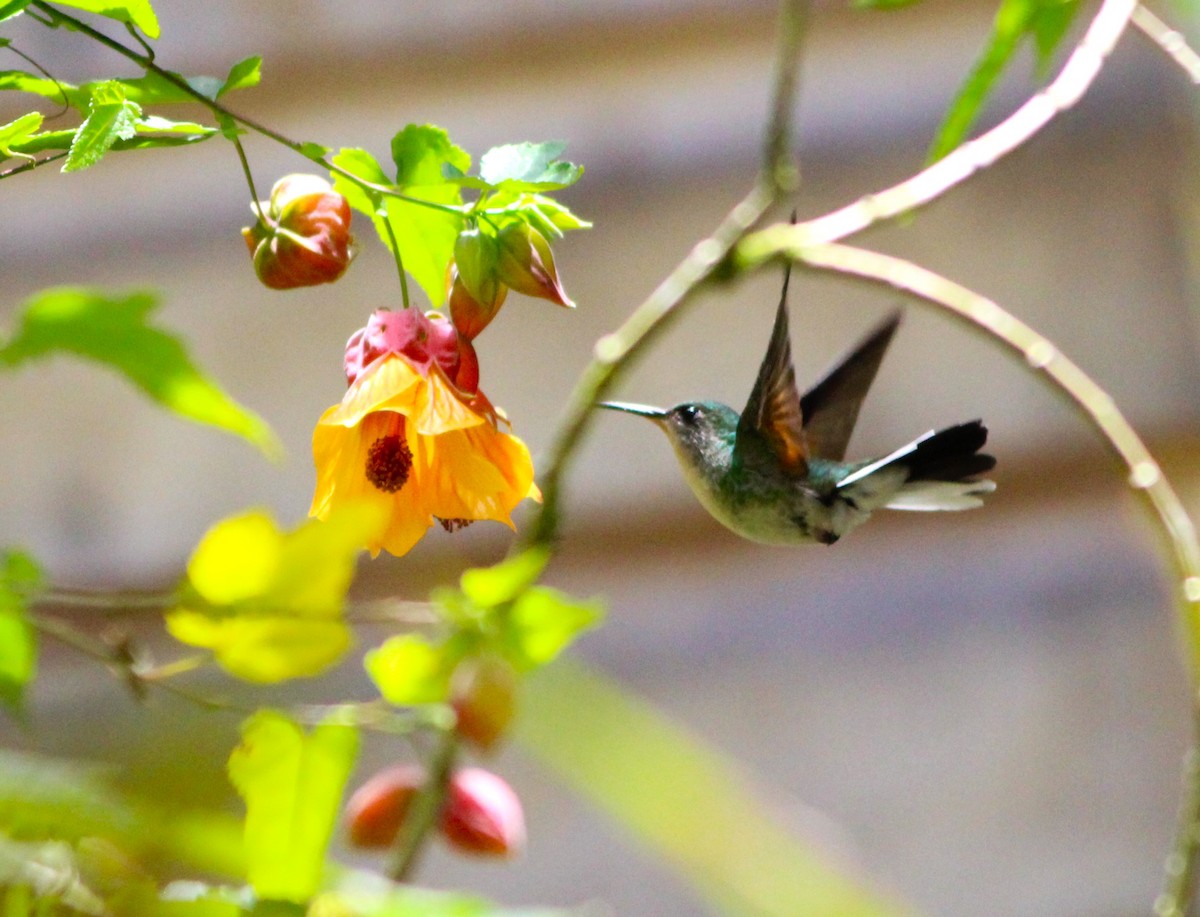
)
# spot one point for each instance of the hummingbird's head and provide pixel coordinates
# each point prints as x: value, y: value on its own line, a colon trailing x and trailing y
x: 702, y: 432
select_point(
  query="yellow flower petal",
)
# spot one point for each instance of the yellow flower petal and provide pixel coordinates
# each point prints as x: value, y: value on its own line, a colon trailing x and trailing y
x: 388, y: 384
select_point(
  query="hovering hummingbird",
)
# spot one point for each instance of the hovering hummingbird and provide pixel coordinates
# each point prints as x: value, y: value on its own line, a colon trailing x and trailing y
x: 775, y: 473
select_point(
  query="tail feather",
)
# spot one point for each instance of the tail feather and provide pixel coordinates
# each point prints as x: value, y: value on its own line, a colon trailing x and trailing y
x: 941, y: 469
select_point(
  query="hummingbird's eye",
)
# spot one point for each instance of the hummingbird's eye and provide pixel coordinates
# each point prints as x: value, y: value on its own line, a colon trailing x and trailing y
x: 688, y: 413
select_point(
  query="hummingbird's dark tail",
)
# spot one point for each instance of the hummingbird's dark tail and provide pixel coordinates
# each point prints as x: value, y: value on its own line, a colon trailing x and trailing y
x: 941, y: 469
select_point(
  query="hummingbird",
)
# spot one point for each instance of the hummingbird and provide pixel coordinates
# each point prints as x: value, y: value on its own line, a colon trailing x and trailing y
x: 776, y: 473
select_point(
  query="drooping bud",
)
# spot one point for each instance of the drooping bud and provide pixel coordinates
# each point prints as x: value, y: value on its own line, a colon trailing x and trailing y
x: 376, y: 810
x: 476, y: 255
x: 470, y: 315
x: 482, y: 814
x: 303, y: 237
x: 424, y: 340
x: 527, y: 265
x: 483, y: 694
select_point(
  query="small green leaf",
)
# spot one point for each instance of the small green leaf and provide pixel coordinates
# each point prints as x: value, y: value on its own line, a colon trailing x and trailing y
x: 110, y: 117
x: 488, y: 587
x: 269, y: 604
x: 242, y: 75
x: 543, y: 622
x: 154, y: 124
x: 114, y: 330
x: 137, y: 13
x: 19, y: 131
x: 56, y: 90
x: 528, y: 166
x: 410, y: 670
x: 20, y: 577
x: 292, y: 784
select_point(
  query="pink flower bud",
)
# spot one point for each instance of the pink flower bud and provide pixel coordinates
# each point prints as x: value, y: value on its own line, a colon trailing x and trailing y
x: 423, y: 339
x: 482, y: 814
x: 470, y: 316
x: 527, y: 265
x: 484, y: 697
x: 303, y: 238
x: 376, y: 811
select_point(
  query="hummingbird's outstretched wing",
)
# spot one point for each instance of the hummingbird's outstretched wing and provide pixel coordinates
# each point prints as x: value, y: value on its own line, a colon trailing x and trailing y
x: 830, y: 408
x: 773, y: 411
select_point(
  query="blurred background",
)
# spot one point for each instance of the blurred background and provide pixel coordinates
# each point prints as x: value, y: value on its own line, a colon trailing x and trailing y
x: 983, y: 712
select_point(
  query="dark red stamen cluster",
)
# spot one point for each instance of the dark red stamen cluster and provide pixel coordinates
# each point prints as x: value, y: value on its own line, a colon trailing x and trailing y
x: 389, y: 461
x: 454, y: 525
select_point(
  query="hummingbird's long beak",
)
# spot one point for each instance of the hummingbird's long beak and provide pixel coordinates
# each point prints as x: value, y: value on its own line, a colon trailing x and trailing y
x: 658, y: 415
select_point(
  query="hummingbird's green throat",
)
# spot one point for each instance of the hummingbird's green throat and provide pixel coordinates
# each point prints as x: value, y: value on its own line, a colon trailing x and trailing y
x: 776, y: 472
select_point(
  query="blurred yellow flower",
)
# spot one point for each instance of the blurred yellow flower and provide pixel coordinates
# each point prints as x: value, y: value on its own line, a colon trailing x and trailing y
x: 408, y: 439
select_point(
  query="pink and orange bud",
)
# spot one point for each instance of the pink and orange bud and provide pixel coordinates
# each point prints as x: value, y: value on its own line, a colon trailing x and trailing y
x: 484, y: 697
x: 527, y: 265
x: 482, y: 814
x: 470, y: 316
x: 376, y: 810
x: 305, y: 239
x: 422, y: 339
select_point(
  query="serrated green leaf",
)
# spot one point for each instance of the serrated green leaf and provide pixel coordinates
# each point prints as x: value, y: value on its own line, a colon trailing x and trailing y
x: 683, y: 799
x: 19, y: 131
x: 270, y: 604
x: 543, y: 622
x: 488, y: 587
x: 528, y: 167
x: 137, y: 13
x: 410, y: 670
x: 292, y: 783
x: 425, y: 235
x: 242, y: 75
x: 115, y: 331
x: 110, y: 117
x: 20, y: 578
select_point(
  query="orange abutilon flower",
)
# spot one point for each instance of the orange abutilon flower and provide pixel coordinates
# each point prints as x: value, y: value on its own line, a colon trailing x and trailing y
x: 415, y: 434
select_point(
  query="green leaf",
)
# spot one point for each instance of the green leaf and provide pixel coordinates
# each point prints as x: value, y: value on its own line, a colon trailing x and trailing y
x: 20, y: 578
x: 19, y: 131
x: 528, y: 167
x: 115, y: 331
x: 137, y: 13
x: 110, y: 117
x: 12, y: 8
x: 409, y: 670
x: 292, y: 783
x: 242, y: 75
x: 56, y: 90
x: 488, y: 587
x: 1045, y: 20
x: 543, y: 622
x: 154, y: 124
x: 682, y: 799
x: 269, y: 604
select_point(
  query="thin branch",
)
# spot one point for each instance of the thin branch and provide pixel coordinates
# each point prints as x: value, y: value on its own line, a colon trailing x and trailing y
x: 1066, y: 89
x: 614, y: 352
x: 1173, y: 43
x: 425, y: 809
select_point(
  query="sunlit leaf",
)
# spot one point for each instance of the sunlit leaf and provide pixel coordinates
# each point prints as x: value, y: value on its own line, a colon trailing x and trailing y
x: 488, y: 587
x: 528, y: 167
x: 410, y: 670
x: 13, y: 8
x: 115, y: 331
x: 19, y: 131
x: 682, y: 799
x: 243, y: 75
x: 111, y: 117
x: 292, y: 783
x: 270, y: 604
x: 137, y: 13
x: 57, y: 91
x: 20, y: 578
x: 156, y: 124
x: 543, y: 622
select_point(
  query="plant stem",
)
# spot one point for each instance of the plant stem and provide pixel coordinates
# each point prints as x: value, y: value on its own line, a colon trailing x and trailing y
x: 395, y: 247
x: 426, y: 808
x: 614, y: 353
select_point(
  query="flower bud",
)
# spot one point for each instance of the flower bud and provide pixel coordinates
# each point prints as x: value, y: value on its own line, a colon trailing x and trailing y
x: 527, y: 265
x: 482, y: 814
x: 470, y: 316
x: 484, y: 697
x: 424, y: 339
x: 476, y: 255
x: 303, y: 235
x: 377, y: 809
